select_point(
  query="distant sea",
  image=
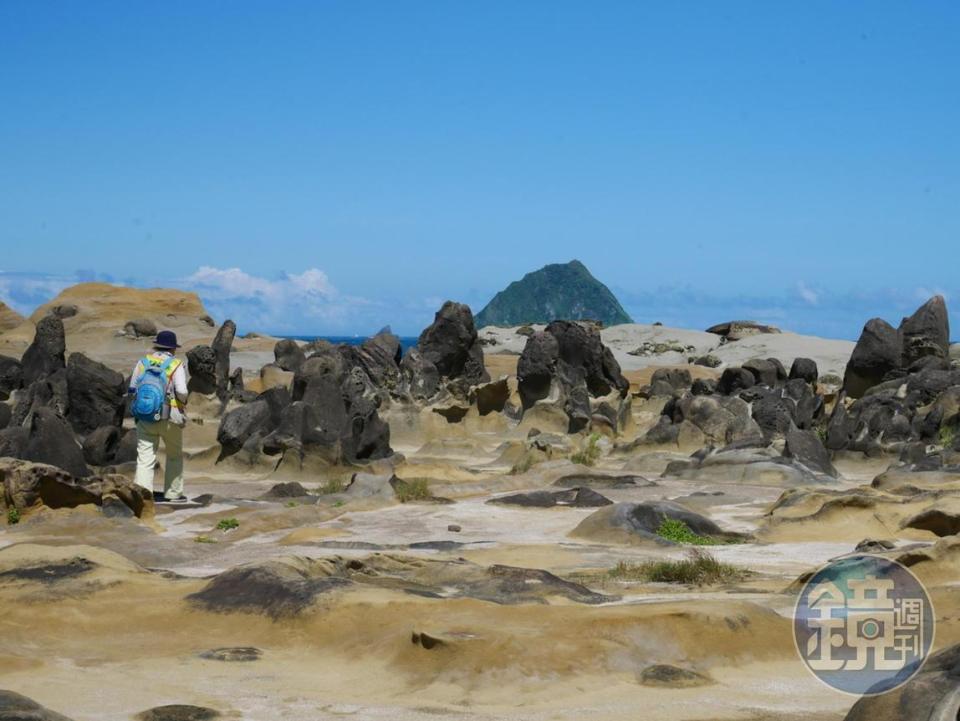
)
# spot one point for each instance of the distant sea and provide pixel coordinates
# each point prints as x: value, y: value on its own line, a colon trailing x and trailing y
x: 405, y: 341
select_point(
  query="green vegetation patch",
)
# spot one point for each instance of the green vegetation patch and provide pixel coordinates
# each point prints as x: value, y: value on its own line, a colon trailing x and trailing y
x: 677, y: 531
x: 333, y: 485
x: 699, y: 568
x: 588, y: 455
x: 416, y: 489
x: 227, y: 524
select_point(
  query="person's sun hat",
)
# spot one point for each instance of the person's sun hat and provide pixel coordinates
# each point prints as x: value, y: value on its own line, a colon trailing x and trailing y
x: 166, y: 340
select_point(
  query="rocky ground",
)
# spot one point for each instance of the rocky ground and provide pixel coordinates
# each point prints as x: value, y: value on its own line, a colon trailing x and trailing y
x: 466, y: 531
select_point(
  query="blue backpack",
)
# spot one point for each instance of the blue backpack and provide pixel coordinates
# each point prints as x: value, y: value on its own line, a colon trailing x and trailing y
x: 151, y: 391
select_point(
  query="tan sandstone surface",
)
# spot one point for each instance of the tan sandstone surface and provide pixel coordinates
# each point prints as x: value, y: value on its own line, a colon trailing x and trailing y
x: 417, y: 609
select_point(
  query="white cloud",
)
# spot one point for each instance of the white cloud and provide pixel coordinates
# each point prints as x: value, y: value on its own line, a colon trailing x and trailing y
x: 25, y: 292
x: 287, y: 303
x: 808, y: 294
x: 924, y: 294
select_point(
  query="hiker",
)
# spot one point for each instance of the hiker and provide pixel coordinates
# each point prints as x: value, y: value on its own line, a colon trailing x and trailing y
x: 159, y: 389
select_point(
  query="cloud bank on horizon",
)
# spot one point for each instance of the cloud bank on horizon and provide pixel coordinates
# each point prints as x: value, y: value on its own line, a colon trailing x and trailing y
x: 309, y: 303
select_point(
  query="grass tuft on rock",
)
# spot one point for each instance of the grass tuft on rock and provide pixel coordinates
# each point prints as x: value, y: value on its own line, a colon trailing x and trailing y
x: 699, y: 568
x: 13, y: 516
x: 416, y: 489
x: 333, y: 485
x: 677, y: 531
x: 227, y: 524
x: 590, y: 453
x: 947, y: 436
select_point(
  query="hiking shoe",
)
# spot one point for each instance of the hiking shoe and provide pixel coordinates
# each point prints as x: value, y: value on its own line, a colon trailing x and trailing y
x: 178, y: 499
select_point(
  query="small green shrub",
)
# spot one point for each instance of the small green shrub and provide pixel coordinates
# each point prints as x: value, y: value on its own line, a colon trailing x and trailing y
x: 675, y: 530
x: 523, y: 465
x: 204, y: 539
x: 416, y: 489
x: 588, y: 456
x: 699, y: 568
x: 333, y: 485
x: 947, y: 435
x: 291, y: 504
x: 339, y: 503
x: 227, y: 524
x: 821, y: 432
x: 13, y: 516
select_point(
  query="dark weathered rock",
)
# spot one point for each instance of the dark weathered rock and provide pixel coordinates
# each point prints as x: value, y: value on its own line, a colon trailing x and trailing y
x: 46, y: 355
x: 280, y: 491
x: 926, y: 332
x: 774, y: 414
x: 237, y: 426
x: 575, y: 480
x: 233, y: 654
x: 577, y: 497
x: 13, y: 442
x: 49, y: 392
x: 127, y: 450
x: 202, y: 368
x: 735, y: 379
x: 140, y: 328
x: 420, y: 377
x: 840, y: 428
x: 222, y: 344
x: 50, y: 440
x: 64, y: 310
x: 765, y: 371
x: 14, y: 707
x: 676, y: 378
x: 100, y: 447
x: 295, y: 425
x: 278, y: 589
x: 380, y: 357
x: 709, y: 361
x: 452, y: 345
x: 537, y: 367
x: 666, y: 676
x: 737, y: 329
x: 808, y: 406
x: 289, y: 355
x: 568, y: 363
x: 721, y: 419
x: 805, y: 446
x: 235, y: 383
x: 96, y: 394
x: 6, y: 412
x: 805, y: 369
x: 11, y: 376
x: 323, y: 369
x: 178, y: 712
x: 641, y: 521
x: 492, y: 397
x: 580, y: 348
x: 365, y: 436
x: 878, y: 351
x: 704, y: 387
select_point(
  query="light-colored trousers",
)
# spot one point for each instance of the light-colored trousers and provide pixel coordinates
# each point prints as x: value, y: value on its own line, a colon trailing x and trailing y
x: 148, y: 443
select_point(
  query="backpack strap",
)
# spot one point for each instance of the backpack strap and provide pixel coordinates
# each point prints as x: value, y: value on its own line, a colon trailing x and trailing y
x: 169, y: 367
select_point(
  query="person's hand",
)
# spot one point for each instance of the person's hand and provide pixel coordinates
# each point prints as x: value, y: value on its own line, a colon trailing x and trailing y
x: 178, y: 417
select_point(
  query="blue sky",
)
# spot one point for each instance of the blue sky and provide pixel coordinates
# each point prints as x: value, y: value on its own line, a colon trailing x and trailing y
x: 336, y: 166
